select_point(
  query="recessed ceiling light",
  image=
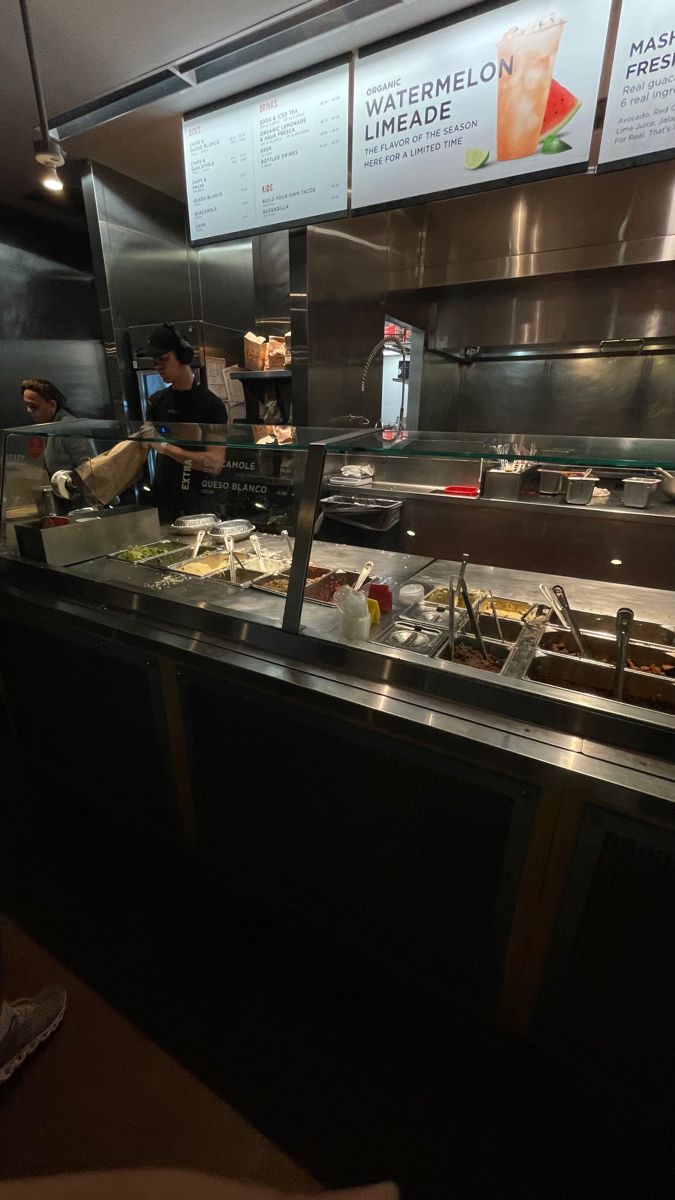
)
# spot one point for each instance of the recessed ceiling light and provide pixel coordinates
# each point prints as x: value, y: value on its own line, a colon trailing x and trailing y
x: 616, y: 562
x: 410, y: 532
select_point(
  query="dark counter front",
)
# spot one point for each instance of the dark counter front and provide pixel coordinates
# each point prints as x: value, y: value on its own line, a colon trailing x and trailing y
x: 449, y: 844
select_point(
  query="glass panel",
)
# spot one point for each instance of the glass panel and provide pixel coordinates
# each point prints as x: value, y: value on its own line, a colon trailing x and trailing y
x: 626, y: 453
x: 252, y: 437
x: 511, y: 447
x: 88, y: 500
x: 414, y: 508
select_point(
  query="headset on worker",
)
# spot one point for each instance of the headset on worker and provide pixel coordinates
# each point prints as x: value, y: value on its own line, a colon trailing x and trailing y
x: 185, y: 352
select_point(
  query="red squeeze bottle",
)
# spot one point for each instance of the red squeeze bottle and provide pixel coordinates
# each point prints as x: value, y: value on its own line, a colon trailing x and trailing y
x: 382, y: 593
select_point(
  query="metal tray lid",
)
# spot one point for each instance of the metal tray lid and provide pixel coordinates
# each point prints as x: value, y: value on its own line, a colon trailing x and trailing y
x: 196, y: 522
x: 236, y: 529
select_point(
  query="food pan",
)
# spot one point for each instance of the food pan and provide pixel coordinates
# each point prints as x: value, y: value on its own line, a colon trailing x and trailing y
x: 322, y: 591
x: 243, y: 578
x: 642, y: 631
x: 511, y: 630
x: 419, y: 639
x: 205, y: 564
x: 653, y: 660
x: 466, y: 645
x: 277, y: 581
x: 439, y: 595
x: 435, y: 615
x: 597, y: 679
x: 150, y: 550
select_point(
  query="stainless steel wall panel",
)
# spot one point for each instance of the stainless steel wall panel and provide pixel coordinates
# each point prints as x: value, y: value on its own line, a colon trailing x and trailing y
x: 593, y: 396
x: 347, y: 274
x: 49, y: 322
x: 77, y: 367
x: 576, y: 260
x: 553, y: 225
x: 504, y: 395
x: 440, y: 393
x: 658, y: 413
x: 142, y: 265
x: 297, y: 262
x: 581, y: 307
x: 406, y: 233
x: 271, y: 283
x: 225, y: 284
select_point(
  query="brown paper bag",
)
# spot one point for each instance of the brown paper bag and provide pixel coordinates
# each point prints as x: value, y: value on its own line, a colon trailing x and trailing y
x: 255, y: 352
x: 104, y: 477
x: 276, y: 354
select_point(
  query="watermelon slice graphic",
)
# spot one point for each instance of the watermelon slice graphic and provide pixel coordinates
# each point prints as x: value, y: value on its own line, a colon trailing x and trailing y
x: 560, y: 108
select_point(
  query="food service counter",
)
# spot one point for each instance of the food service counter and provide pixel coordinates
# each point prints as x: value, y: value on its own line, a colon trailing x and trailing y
x: 501, y: 842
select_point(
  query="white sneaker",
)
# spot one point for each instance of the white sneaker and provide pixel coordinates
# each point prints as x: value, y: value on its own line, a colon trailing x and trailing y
x: 25, y: 1024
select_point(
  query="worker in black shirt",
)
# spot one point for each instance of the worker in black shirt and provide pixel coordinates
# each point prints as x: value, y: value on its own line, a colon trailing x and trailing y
x: 183, y: 411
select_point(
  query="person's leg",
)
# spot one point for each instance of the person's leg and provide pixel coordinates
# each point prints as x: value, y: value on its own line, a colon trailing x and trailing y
x: 25, y: 1024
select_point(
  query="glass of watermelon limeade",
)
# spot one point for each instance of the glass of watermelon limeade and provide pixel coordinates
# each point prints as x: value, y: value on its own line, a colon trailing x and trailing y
x: 522, y: 96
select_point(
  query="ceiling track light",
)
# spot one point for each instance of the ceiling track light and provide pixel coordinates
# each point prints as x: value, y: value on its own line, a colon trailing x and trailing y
x: 46, y: 149
x: 50, y: 180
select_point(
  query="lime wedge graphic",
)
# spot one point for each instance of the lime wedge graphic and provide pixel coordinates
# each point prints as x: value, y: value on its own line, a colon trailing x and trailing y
x: 475, y: 158
x: 554, y: 145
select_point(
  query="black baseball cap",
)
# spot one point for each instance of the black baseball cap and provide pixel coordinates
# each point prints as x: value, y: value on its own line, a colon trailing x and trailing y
x: 161, y: 341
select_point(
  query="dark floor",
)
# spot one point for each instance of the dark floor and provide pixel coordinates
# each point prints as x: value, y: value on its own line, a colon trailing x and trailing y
x: 351, y: 1077
x: 100, y: 1095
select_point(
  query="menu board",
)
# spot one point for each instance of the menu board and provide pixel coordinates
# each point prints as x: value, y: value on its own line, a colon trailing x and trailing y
x: 271, y: 160
x: 640, y: 116
x: 504, y: 94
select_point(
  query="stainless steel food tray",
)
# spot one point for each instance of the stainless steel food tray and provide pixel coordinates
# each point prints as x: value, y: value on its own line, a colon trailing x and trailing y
x: 314, y: 574
x: 245, y: 579
x: 643, y: 631
x: 434, y: 615
x: 603, y: 649
x: 597, y: 679
x: 333, y: 579
x: 417, y: 639
x: 497, y: 649
x: 163, y: 547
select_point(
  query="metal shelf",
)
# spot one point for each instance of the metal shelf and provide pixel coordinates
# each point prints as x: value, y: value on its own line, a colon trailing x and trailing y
x: 256, y: 376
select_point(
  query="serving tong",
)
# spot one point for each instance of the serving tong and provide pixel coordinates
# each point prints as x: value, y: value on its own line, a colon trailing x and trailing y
x: 463, y: 591
x: 556, y: 598
x: 624, y: 625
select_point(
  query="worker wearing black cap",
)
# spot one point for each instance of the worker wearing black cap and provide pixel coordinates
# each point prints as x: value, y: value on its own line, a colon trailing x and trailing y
x: 182, y: 411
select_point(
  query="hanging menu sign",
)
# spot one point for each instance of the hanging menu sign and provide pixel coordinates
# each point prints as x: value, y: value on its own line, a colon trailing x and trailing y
x: 508, y: 93
x: 275, y: 159
x: 640, y: 116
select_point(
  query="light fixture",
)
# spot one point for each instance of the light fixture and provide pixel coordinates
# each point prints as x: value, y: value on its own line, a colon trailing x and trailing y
x: 50, y: 180
x: 46, y: 150
x: 616, y: 562
x: 410, y: 532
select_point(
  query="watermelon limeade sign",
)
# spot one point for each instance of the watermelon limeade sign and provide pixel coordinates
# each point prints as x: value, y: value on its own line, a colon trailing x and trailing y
x: 508, y: 93
x: 640, y: 116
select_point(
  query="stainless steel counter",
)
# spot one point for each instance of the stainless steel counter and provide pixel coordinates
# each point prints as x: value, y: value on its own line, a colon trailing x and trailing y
x: 250, y: 621
x: 249, y: 604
